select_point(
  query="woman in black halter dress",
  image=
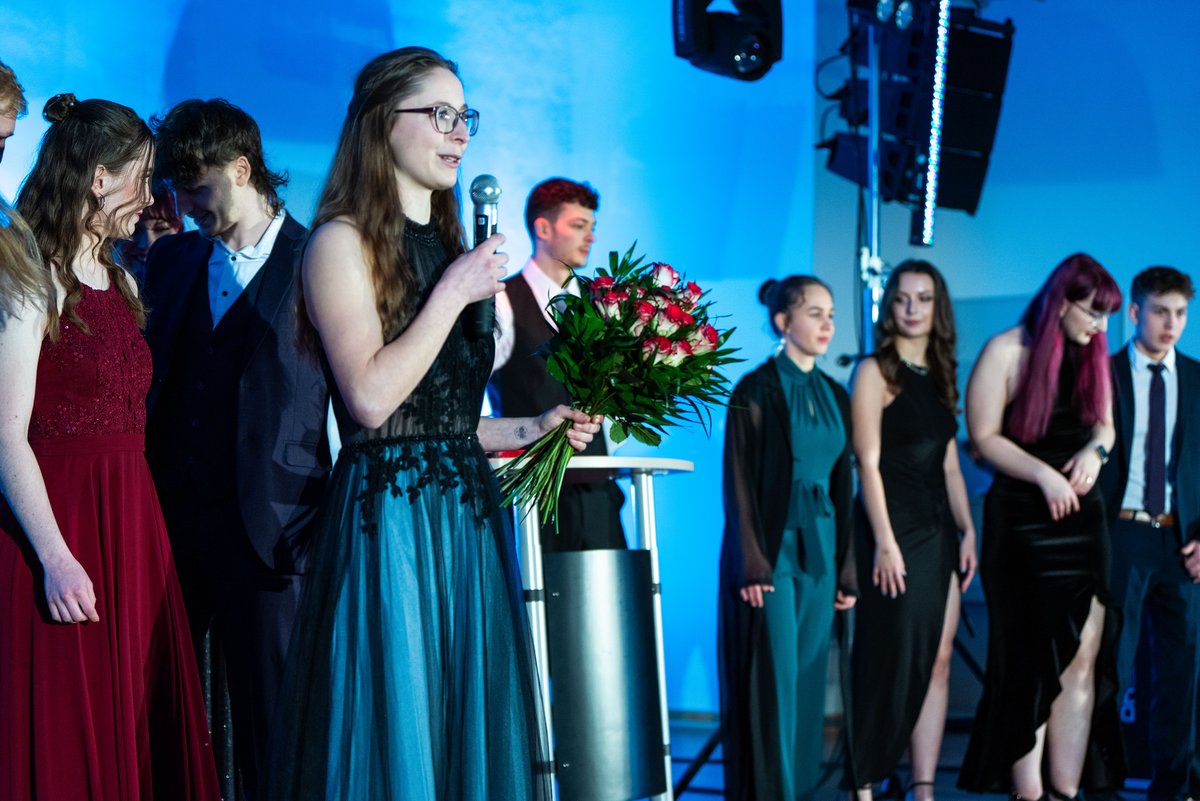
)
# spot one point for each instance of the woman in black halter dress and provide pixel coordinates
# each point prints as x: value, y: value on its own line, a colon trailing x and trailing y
x: 912, y: 564
x: 1039, y: 409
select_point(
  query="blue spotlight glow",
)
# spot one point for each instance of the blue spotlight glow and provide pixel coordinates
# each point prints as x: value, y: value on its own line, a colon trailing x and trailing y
x: 935, y: 122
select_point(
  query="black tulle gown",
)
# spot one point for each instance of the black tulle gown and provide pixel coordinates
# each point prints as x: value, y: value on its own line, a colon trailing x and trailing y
x: 1039, y: 577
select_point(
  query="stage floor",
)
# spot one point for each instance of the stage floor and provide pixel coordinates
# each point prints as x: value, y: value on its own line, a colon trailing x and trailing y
x: 689, y: 736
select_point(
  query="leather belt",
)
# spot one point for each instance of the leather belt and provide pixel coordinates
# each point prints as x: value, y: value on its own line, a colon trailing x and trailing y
x: 1141, y: 516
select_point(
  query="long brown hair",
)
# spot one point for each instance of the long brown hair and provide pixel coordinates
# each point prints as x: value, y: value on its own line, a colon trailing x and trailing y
x: 24, y: 282
x: 82, y: 136
x: 362, y: 187
x: 940, y: 351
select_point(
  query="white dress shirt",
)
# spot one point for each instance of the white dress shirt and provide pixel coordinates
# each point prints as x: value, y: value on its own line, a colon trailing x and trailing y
x: 230, y: 272
x: 1135, y: 486
x: 544, y: 289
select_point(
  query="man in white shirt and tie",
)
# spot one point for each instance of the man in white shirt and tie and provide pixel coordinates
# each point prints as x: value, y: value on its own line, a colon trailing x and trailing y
x: 560, y: 215
x: 1152, y: 491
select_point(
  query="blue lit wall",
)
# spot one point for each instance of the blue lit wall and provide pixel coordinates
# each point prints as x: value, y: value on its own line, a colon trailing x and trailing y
x: 715, y: 176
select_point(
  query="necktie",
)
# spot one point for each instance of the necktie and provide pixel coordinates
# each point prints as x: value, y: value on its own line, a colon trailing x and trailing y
x: 1156, y: 444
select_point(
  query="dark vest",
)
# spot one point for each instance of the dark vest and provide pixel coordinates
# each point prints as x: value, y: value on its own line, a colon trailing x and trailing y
x: 523, y: 387
x: 201, y: 397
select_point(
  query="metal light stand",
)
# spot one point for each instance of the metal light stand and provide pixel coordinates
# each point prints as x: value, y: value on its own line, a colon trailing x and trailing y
x: 870, y: 263
x: 533, y: 579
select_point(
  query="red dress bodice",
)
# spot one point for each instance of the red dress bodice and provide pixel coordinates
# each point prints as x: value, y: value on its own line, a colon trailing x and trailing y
x: 93, y: 384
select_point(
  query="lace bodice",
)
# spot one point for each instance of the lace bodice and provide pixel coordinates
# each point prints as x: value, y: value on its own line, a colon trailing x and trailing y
x: 447, y: 401
x: 91, y: 384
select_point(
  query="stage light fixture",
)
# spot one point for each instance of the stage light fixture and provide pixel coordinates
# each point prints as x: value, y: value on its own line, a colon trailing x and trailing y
x: 742, y: 45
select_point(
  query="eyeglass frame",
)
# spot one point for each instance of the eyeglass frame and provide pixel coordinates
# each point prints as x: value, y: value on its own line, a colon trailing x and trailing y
x: 466, y: 115
x: 1096, y: 318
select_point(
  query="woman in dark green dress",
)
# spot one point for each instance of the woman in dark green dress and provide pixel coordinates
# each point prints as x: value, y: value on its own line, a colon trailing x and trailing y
x: 787, y: 496
x: 914, y: 502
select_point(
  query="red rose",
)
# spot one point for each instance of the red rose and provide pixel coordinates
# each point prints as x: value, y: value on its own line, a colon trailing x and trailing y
x: 644, y: 312
x: 664, y: 274
x: 671, y: 319
x: 689, y: 296
x: 656, y: 349
x: 703, y: 339
x: 679, y: 351
x: 610, y: 303
x: 601, y: 285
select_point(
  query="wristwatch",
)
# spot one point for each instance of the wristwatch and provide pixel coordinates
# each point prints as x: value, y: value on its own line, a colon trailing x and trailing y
x: 1103, y: 451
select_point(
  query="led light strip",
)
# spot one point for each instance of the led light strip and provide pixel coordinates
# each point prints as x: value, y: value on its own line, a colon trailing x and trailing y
x: 935, y: 124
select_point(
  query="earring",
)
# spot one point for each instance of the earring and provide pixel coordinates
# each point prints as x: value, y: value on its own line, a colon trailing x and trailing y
x: 101, y: 199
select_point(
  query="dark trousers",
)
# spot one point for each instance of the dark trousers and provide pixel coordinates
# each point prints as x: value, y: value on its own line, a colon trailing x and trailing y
x: 250, y: 609
x: 589, y: 519
x: 1148, y: 574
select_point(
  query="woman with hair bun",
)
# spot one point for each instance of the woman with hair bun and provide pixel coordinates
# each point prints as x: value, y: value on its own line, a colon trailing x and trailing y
x: 786, y: 563
x: 914, y: 505
x: 99, y: 697
x: 1039, y: 408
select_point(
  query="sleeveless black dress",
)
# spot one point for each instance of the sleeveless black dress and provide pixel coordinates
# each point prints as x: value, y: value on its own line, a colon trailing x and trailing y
x: 1039, y: 577
x: 896, y: 639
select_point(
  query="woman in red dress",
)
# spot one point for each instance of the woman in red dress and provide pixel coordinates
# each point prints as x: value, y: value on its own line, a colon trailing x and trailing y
x: 99, y: 697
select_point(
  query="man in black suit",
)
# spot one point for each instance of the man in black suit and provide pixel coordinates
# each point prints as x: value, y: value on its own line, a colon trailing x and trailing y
x: 560, y: 215
x: 236, y: 435
x: 1152, y: 489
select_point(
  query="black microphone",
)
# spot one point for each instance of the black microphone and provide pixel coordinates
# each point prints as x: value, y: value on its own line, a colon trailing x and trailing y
x: 479, y: 319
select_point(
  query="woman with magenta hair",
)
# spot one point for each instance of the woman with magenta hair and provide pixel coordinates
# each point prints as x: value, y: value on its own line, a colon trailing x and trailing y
x: 786, y: 564
x: 914, y: 508
x: 1039, y: 409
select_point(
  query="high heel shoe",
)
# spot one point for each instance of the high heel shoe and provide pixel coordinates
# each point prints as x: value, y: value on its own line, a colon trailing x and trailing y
x: 1013, y: 795
x: 910, y: 792
x: 1055, y: 795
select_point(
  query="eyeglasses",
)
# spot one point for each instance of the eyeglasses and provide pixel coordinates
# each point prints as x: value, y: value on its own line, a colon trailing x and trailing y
x: 1096, y: 318
x: 445, y: 118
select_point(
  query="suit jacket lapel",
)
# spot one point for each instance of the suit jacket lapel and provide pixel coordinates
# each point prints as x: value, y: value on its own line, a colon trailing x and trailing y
x: 1187, y: 387
x: 1124, y: 402
x: 169, y: 303
x: 278, y: 274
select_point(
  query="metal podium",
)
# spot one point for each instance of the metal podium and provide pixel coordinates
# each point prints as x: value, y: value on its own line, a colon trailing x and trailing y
x: 642, y: 471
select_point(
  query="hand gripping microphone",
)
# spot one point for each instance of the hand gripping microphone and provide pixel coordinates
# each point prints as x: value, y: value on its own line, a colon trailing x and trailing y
x: 479, y: 320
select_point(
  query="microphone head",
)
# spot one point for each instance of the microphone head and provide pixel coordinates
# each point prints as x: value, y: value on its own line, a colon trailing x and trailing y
x: 485, y: 189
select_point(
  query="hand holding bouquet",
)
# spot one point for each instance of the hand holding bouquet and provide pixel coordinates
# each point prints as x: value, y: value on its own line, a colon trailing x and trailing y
x: 636, y: 346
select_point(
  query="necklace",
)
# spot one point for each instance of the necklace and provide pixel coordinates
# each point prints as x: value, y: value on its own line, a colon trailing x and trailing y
x: 919, y: 369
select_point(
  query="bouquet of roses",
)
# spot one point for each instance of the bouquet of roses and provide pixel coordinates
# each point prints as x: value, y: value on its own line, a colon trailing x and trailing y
x: 636, y: 346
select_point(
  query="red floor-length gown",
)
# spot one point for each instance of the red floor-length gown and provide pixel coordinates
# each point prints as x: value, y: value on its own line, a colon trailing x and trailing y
x: 107, y: 711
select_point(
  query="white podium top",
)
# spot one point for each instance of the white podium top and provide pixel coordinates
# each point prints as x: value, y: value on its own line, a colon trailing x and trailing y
x: 593, y: 468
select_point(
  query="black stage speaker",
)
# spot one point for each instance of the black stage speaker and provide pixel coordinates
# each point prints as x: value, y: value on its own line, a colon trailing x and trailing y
x: 978, y: 52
